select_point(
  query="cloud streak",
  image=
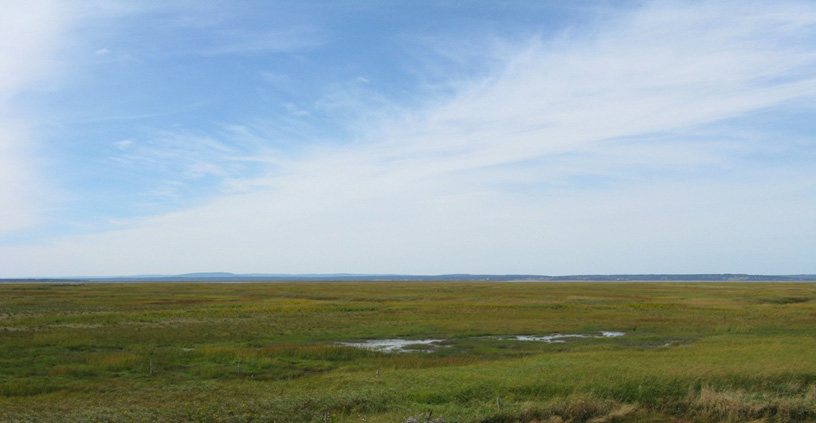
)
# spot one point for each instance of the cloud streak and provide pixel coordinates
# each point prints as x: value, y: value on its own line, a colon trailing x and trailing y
x: 29, y: 35
x: 607, y: 150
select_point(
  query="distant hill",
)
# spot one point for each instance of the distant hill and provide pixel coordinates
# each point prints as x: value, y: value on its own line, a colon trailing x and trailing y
x: 263, y: 277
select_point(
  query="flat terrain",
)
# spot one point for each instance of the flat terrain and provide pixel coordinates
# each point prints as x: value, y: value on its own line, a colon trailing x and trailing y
x: 274, y: 352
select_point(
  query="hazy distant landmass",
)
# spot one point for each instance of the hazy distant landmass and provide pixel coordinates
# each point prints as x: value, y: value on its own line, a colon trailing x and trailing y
x: 272, y: 277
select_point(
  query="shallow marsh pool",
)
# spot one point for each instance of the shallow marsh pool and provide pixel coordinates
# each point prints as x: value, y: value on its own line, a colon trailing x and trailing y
x: 429, y: 345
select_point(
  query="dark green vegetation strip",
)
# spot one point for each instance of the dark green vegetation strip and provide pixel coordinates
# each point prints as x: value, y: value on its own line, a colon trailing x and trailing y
x: 693, y: 352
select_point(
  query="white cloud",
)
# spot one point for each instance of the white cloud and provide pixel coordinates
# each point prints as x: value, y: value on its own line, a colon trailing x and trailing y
x: 123, y: 145
x: 102, y: 52
x: 295, y: 110
x: 20, y: 189
x: 490, y: 181
x: 277, y: 80
x: 273, y: 41
x: 29, y: 35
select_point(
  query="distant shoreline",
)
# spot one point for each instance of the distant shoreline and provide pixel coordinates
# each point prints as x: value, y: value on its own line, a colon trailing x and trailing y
x: 239, y: 278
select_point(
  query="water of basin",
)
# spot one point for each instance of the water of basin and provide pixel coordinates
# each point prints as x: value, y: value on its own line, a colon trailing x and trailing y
x: 393, y: 345
x: 561, y: 338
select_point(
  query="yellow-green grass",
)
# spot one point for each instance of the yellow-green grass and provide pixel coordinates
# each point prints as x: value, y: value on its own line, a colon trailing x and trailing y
x: 269, y: 352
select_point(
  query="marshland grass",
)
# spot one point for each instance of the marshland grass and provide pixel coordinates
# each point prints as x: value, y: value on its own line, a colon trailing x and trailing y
x: 258, y: 352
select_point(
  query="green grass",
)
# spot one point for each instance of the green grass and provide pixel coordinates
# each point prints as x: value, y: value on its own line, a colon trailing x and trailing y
x: 266, y: 352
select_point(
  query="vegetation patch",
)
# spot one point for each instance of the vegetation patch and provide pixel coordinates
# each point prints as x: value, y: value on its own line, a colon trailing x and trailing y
x: 469, y: 352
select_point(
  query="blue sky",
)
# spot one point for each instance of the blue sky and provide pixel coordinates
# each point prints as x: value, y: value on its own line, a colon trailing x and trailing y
x: 407, y: 137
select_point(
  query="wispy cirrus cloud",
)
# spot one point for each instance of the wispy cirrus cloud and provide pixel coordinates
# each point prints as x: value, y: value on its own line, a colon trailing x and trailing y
x: 172, y: 164
x: 30, y: 34
x: 249, y: 42
x: 639, y: 144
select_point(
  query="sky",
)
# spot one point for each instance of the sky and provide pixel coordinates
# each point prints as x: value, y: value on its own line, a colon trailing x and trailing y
x: 413, y: 137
